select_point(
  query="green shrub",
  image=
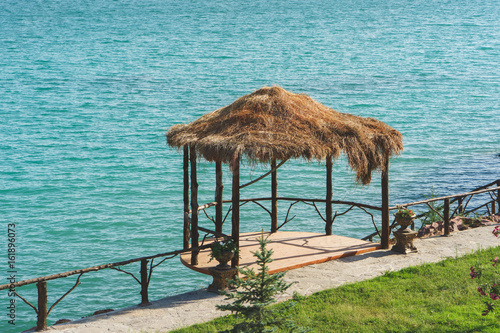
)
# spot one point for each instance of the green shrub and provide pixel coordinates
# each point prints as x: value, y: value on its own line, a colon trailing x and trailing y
x: 254, y: 293
x: 430, y: 216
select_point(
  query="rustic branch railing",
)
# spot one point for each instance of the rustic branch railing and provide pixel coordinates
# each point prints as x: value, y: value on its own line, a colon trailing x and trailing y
x: 192, y: 221
x: 311, y: 202
x: 146, y: 273
x: 456, y: 196
x: 462, y: 200
x: 41, y: 282
x: 307, y: 201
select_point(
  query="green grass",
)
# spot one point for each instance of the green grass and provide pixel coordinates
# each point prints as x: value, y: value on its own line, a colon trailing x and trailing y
x: 437, y: 297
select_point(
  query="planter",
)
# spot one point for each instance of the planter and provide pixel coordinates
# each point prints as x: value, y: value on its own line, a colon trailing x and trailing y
x: 404, y: 241
x: 404, y: 222
x: 404, y: 236
x: 223, y: 252
x: 221, y: 278
x: 223, y: 259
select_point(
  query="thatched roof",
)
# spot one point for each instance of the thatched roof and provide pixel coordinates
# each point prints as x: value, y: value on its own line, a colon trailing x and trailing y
x: 272, y: 123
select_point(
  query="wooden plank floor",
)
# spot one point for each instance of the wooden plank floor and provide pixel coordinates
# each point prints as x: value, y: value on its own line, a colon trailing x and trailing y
x: 291, y: 250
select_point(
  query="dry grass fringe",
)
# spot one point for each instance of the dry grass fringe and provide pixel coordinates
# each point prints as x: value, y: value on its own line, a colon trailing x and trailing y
x: 272, y: 123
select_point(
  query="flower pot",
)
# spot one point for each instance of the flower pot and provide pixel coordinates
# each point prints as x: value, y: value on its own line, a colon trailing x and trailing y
x: 223, y: 259
x: 404, y: 222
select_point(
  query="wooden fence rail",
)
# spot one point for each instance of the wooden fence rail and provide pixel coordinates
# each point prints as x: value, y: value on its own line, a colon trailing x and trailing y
x: 146, y: 271
x: 447, y: 200
x: 461, y: 208
x: 41, y: 282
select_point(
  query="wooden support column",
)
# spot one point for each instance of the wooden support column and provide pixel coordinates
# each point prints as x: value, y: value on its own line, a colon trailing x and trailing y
x: 498, y: 195
x: 386, y: 229
x: 186, y: 233
x: 329, y: 195
x: 144, y: 282
x: 460, y: 206
x: 41, y: 323
x: 235, y: 233
x: 446, y: 215
x: 274, y: 195
x: 194, y: 207
x: 219, y: 187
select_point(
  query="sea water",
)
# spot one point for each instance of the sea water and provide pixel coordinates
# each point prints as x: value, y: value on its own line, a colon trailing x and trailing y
x: 88, y: 89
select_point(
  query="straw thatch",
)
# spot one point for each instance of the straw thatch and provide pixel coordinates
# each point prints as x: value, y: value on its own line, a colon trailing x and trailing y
x: 272, y: 123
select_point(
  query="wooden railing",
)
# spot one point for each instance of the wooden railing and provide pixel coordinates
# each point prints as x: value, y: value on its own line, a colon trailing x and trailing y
x: 307, y: 201
x: 41, y: 282
x: 461, y: 201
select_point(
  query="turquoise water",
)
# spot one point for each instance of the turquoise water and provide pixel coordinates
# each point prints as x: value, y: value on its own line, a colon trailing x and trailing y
x: 89, y: 88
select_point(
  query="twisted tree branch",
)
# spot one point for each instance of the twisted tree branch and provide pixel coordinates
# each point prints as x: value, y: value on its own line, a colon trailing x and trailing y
x: 60, y: 299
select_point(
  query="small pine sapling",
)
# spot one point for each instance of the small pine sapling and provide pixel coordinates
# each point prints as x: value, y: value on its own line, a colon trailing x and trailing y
x: 254, y: 293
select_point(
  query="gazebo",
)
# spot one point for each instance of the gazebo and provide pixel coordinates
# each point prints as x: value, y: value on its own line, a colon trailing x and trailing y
x: 272, y: 125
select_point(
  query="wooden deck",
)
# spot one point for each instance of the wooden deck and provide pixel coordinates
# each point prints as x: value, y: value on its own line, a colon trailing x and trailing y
x: 291, y: 250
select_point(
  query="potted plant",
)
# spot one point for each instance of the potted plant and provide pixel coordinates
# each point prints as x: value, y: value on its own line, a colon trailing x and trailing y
x: 404, y: 236
x: 404, y: 217
x: 223, y: 252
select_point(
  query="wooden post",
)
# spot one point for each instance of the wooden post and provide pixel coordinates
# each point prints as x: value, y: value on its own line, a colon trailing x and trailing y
x: 446, y: 215
x: 329, y: 210
x: 274, y: 195
x: 386, y: 229
x: 144, y: 282
x: 41, y: 324
x: 219, y: 187
x: 194, y: 207
x: 498, y: 195
x: 460, y: 207
x: 235, y: 233
x: 186, y: 233
x: 494, y: 204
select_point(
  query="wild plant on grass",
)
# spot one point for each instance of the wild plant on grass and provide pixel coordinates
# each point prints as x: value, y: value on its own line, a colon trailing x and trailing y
x: 491, y: 276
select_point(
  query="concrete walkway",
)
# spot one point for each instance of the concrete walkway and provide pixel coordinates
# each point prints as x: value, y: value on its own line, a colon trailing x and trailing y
x: 199, y: 306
